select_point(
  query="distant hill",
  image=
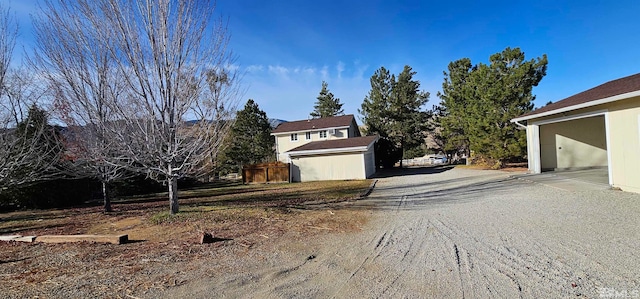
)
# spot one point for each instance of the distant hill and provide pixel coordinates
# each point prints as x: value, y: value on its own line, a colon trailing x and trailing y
x: 272, y: 121
x: 275, y: 122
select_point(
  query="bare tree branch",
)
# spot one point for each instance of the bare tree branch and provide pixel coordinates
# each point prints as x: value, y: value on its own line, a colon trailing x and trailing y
x: 28, y: 145
x: 162, y: 71
x: 85, y: 84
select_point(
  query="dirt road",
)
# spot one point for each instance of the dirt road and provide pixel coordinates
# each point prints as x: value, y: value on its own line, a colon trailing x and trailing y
x: 456, y: 233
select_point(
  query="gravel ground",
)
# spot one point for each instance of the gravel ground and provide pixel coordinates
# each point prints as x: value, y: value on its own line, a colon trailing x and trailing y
x: 452, y: 233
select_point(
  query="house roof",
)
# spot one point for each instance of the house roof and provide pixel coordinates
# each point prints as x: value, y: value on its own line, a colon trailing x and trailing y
x: 314, y: 124
x: 604, y: 93
x: 336, y: 144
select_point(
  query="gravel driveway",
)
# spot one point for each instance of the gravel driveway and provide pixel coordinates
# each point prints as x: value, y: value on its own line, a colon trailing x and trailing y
x: 457, y: 233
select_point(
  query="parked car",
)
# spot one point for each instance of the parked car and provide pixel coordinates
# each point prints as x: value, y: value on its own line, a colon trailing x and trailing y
x: 437, y: 159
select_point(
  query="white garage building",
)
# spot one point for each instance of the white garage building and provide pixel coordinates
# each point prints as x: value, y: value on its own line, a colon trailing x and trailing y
x: 597, y: 128
x: 329, y: 148
x: 339, y: 159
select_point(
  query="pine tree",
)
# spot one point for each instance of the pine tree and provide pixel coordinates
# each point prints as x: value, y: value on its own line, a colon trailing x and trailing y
x: 250, y: 140
x: 37, y: 151
x: 376, y: 105
x: 478, y: 103
x: 410, y: 121
x: 451, y: 116
x: 393, y: 109
x: 327, y: 105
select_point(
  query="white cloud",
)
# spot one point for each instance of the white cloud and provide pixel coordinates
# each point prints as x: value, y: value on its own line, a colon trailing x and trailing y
x: 255, y: 68
x: 232, y: 67
x: 279, y: 70
x: 360, y: 69
x: 324, y: 72
x: 289, y: 91
x: 309, y: 70
x: 340, y: 69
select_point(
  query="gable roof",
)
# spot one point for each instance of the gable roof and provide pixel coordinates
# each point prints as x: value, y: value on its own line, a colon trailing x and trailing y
x: 608, y: 92
x: 314, y: 124
x: 336, y: 145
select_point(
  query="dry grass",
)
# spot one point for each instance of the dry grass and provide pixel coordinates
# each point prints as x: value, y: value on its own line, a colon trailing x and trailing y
x: 250, y: 219
x: 218, y: 209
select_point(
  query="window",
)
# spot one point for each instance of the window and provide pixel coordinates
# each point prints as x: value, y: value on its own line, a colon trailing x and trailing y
x: 323, y: 134
x: 294, y: 137
x: 308, y: 135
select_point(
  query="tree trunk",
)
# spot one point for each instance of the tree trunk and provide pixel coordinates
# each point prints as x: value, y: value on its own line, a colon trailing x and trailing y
x: 173, y: 194
x: 106, y: 198
x: 401, y: 155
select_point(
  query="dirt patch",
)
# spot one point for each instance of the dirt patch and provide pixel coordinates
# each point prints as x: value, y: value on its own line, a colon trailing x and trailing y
x: 515, y: 169
x: 170, y: 259
x: 139, y: 229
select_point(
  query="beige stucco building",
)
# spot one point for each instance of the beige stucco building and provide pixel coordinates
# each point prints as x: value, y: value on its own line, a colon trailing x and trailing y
x: 329, y: 148
x: 599, y: 127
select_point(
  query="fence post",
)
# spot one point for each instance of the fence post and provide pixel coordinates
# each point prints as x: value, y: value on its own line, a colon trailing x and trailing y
x: 244, y: 180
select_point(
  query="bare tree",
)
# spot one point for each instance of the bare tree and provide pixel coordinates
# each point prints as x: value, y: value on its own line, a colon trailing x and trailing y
x: 27, y: 143
x: 179, y: 89
x: 85, y: 85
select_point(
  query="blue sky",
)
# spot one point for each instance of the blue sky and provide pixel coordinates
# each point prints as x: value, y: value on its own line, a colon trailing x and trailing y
x: 287, y: 48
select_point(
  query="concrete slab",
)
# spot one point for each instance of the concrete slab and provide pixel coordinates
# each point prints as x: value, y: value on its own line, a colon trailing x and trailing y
x: 572, y: 180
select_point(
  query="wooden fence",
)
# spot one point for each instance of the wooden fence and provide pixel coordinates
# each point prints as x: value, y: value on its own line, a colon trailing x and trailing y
x: 276, y: 172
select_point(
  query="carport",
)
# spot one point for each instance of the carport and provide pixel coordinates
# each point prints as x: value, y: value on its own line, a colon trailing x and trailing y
x: 568, y: 142
x: 596, y: 129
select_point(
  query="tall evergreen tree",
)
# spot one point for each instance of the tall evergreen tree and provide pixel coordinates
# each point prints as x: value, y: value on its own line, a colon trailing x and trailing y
x: 250, y: 140
x: 480, y: 101
x: 377, y: 103
x: 393, y: 109
x: 375, y: 117
x: 451, y: 116
x: 327, y: 105
x: 410, y: 121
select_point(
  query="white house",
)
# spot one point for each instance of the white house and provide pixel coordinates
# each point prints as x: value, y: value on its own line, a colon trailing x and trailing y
x: 328, y: 148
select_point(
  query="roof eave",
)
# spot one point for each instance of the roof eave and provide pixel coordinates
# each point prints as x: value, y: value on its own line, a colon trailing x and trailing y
x: 615, y: 98
x: 329, y: 151
x: 304, y: 131
x: 362, y: 148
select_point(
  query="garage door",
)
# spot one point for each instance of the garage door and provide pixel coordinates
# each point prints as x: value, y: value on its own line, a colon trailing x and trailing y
x: 574, y: 144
